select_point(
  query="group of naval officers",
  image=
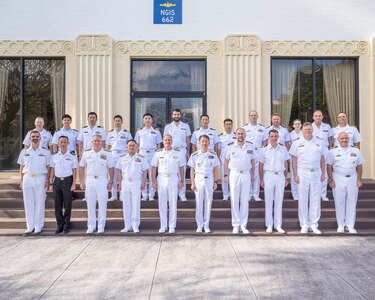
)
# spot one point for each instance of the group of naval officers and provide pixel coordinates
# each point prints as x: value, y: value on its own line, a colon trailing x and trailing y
x: 134, y: 169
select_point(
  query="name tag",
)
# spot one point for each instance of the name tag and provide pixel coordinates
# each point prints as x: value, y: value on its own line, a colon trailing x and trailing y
x: 249, y: 151
x: 211, y: 157
x: 102, y: 156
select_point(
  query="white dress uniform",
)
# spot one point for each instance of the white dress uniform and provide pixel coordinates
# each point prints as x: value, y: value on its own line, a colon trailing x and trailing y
x: 97, y: 165
x: 45, y: 138
x: 239, y: 163
x: 283, y: 134
x: 203, y: 164
x: 294, y: 136
x: 323, y: 132
x: 148, y: 139
x: 35, y: 171
x: 308, y: 155
x: 118, y: 141
x: 210, y: 132
x: 168, y: 163
x: 354, y: 135
x: 132, y: 169
x: 86, y: 133
x: 72, y: 135
x: 344, y: 162
x: 256, y: 135
x: 179, y: 134
x: 273, y: 160
x: 225, y: 139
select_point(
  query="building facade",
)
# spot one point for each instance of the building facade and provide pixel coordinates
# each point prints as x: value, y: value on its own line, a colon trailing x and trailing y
x: 279, y: 68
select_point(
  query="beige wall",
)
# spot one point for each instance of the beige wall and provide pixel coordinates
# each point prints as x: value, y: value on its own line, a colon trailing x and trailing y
x: 238, y: 74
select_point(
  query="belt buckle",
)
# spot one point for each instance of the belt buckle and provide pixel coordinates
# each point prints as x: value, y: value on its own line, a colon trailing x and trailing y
x: 312, y: 170
x: 168, y: 175
x: 242, y: 172
x: 347, y: 176
x: 33, y: 176
x: 62, y: 178
x: 96, y: 177
x: 276, y: 173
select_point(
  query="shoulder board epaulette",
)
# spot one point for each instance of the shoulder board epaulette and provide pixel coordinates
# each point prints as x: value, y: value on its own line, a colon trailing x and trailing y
x: 99, y: 126
x: 176, y: 149
x: 85, y: 126
x: 264, y: 146
x: 88, y: 149
x: 281, y: 144
x: 125, y: 130
x: 296, y: 139
x: 335, y: 147
x: 107, y: 150
x: 231, y: 143
x: 249, y: 142
x: 260, y: 124
x: 157, y: 128
x: 123, y: 155
x: 75, y: 129
x: 194, y: 153
x: 45, y: 148
x: 197, y: 129
x: 221, y: 134
x: 212, y: 151
x: 212, y: 128
x: 268, y: 126
x: 319, y: 137
x: 244, y: 125
x: 140, y: 128
x: 161, y: 149
x: 111, y: 130
x: 140, y: 155
x: 282, y: 126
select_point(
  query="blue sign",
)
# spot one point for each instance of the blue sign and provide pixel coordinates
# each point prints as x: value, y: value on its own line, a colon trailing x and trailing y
x: 167, y: 11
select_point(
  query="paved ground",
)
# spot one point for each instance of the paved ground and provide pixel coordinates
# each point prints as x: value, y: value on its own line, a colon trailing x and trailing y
x: 183, y: 267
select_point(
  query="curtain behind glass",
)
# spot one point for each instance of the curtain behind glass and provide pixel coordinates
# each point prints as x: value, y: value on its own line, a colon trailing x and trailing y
x: 3, y: 88
x: 57, y: 91
x: 283, y: 82
x: 339, y: 87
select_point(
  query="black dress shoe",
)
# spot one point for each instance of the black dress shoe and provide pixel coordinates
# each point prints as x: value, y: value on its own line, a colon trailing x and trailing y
x: 58, y: 230
x: 66, y: 230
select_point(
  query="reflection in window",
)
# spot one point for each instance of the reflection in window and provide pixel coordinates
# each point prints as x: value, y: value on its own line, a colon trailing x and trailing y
x: 168, y: 75
x: 295, y: 80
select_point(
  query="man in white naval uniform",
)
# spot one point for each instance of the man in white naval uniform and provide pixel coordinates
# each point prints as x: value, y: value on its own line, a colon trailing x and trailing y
x: 62, y: 181
x: 117, y: 140
x: 180, y: 133
x: 355, y: 137
x: 170, y: 165
x: 308, y: 168
x: 149, y: 139
x: 205, y: 130
x: 95, y: 167
x: 45, y: 135
x: 204, y: 174
x: 227, y: 137
x: 324, y: 132
x: 345, y: 178
x: 34, y: 166
x: 132, y: 175
x: 255, y: 134
x: 84, y: 139
x: 67, y: 131
x: 284, y: 137
x: 240, y: 160
x: 273, y: 169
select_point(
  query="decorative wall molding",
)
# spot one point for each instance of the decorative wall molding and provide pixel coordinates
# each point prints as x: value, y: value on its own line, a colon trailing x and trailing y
x: 94, y: 45
x: 242, y: 45
x: 297, y: 48
x: 36, y: 48
x: 168, y: 47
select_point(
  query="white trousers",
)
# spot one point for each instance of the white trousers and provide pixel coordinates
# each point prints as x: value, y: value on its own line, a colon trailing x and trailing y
x: 293, y: 184
x: 325, y: 182
x: 131, y: 202
x: 345, y: 194
x: 96, y: 190
x: 149, y: 191
x: 239, y: 197
x: 168, y: 192
x: 182, y: 192
x: 224, y: 186
x: 34, y: 199
x: 203, y: 200
x: 274, y: 185
x: 255, y: 184
x: 309, y: 191
x: 116, y: 157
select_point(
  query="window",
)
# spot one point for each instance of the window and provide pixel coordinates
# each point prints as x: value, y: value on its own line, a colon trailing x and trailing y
x: 28, y: 88
x: 158, y: 86
x: 300, y: 86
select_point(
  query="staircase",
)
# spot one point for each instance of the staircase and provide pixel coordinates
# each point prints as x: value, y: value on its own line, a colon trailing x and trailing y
x: 12, y: 217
